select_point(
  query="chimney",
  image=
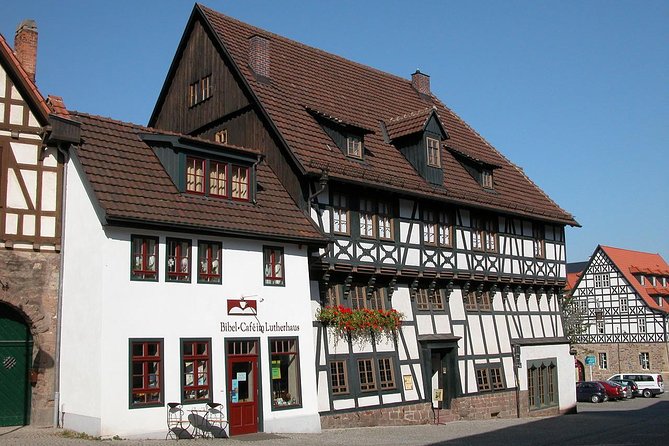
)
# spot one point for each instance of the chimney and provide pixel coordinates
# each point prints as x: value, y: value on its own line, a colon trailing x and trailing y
x: 25, y: 46
x: 421, y: 82
x: 259, y: 55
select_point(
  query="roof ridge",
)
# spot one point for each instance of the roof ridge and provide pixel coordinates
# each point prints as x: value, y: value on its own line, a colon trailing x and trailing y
x: 632, y: 250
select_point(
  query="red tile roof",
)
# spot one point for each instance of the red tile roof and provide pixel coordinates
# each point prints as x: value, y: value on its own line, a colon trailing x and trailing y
x: 364, y: 95
x: 408, y: 123
x: 131, y: 184
x: 632, y: 262
x: 572, y: 278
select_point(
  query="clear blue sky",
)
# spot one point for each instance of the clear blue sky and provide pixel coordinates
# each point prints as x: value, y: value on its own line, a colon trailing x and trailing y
x: 574, y: 92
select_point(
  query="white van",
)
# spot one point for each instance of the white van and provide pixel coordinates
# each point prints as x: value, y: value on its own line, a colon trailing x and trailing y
x: 650, y: 384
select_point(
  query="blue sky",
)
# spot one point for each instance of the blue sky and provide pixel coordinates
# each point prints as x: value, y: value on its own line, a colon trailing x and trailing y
x: 574, y: 92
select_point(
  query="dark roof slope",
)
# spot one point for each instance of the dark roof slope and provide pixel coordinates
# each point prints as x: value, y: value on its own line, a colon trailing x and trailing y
x: 131, y: 185
x: 303, y: 78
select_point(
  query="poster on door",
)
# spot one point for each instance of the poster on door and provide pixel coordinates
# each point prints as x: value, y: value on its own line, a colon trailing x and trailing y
x: 234, y: 392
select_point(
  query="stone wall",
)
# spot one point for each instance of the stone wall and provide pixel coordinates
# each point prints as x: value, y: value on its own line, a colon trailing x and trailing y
x: 623, y: 357
x: 32, y: 279
x: 383, y: 416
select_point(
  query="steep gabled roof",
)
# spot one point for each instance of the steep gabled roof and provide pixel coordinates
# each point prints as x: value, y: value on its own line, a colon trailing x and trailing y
x: 132, y: 186
x: 302, y: 77
x: 22, y: 81
x: 410, y: 123
x: 632, y: 262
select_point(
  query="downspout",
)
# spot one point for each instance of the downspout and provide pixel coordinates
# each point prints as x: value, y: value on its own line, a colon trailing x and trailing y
x: 56, y: 386
x: 322, y: 183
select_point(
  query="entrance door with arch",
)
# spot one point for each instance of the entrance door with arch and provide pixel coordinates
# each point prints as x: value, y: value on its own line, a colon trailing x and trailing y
x: 15, y: 356
x: 242, y: 360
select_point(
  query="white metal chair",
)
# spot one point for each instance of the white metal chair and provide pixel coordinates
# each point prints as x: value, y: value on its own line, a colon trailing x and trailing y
x: 175, y: 420
x: 215, y: 421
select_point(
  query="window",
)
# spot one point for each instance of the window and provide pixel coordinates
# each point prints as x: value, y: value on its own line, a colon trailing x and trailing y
x: 602, y: 280
x: 199, y: 91
x: 386, y: 380
x: 144, y: 258
x: 178, y: 260
x: 622, y: 305
x: 338, y: 377
x: 583, y: 307
x: 339, y: 214
x: 196, y: 372
x: 473, y: 302
x: 209, y: 262
x: 354, y: 147
x: 285, y: 373
x: 644, y: 360
x: 469, y: 300
x: 433, y: 152
x: 221, y: 136
x: 375, y: 219
x: 427, y: 299
x: 385, y: 221
x: 195, y: 175
x: 366, y: 373
x: 437, y: 231
x: 146, y: 373
x: 486, y: 178
x: 599, y: 319
x: 603, y: 361
x: 641, y: 323
x: 445, y: 229
x: 542, y: 386
x: 358, y: 298
x: 489, y: 378
x: 366, y: 218
x: 484, y: 234
x: 539, y: 240
x: 240, y: 183
x: 429, y: 228
x: 217, y: 179
x: 205, y: 88
x: 273, y: 266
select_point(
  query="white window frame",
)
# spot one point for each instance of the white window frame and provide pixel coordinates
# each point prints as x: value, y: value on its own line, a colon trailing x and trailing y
x: 603, y: 361
x: 354, y: 147
x: 641, y: 325
x: 644, y: 360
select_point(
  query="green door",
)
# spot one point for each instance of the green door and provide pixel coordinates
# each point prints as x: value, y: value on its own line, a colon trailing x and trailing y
x: 15, y: 355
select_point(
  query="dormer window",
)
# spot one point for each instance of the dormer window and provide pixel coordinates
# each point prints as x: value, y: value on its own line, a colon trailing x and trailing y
x: 433, y: 152
x: 240, y: 183
x: 486, y: 178
x: 199, y: 170
x: 218, y: 179
x: 354, y: 146
x: 195, y: 175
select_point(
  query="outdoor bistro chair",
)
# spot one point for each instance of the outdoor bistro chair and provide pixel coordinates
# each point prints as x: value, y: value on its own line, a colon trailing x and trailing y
x: 175, y: 420
x: 215, y: 420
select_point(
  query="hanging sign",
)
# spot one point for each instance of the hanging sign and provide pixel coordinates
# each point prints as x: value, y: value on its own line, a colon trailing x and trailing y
x: 438, y: 395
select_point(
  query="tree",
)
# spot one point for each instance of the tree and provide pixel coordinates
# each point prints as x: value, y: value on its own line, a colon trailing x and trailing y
x: 574, y: 318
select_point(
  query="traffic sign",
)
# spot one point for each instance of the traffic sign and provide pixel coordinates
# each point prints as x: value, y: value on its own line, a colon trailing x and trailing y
x: 590, y: 360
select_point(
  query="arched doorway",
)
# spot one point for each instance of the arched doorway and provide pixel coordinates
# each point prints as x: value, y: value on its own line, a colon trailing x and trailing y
x: 580, y: 370
x: 16, y: 344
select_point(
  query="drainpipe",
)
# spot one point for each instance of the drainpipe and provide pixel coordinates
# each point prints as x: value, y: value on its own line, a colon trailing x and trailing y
x: 322, y: 184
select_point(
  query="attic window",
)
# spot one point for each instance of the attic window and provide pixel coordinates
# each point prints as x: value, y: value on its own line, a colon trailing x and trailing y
x: 221, y: 136
x: 354, y: 147
x: 433, y: 152
x: 199, y: 91
x: 486, y: 178
x: 209, y: 177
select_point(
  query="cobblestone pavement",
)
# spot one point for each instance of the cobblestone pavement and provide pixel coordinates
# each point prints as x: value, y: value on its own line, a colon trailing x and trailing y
x: 635, y: 422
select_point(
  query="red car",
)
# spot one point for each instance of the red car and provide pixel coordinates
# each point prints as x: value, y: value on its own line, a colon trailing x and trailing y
x: 613, y: 391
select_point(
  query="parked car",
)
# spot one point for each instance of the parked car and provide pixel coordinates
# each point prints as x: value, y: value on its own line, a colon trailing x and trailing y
x: 629, y: 384
x: 613, y: 391
x: 591, y: 391
x: 650, y: 384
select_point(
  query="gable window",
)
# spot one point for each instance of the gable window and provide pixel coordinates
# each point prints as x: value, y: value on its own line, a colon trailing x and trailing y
x: 386, y: 380
x: 240, y: 183
x: 427, y: 300
x: 209, y: 262
x: 199, y: 91
x: 486, y: 178
x: 285, y: 373
x: 146, y: 373
x: 644, y: 360
x: 221, y: 136
x: 603, y: 361
x: 339, y: 214
x: 354, y: 147
x: 433, y: 152
x: 602, y: 280
x: 217, y: 179
x: 539, y: 240
x: 205, y: 88
x: 144, y: 258
x: 195, y: 175
x: 196, y: 372
x: 273, y: 269
x: 484, y: 234
x: 178, y: 260
x: 367, y: 375
x: 338, y: 377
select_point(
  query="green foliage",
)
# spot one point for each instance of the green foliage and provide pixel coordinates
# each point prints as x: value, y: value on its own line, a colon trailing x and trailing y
x: 360, y: 324
x: 573, y: 319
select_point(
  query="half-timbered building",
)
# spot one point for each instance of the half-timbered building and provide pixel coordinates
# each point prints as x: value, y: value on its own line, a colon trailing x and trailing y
x: 422, y: 216
x: 622, y: 297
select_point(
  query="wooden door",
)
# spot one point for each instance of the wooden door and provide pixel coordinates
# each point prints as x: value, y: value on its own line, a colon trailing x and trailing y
x: 243, y: 394
x: 15, y: 357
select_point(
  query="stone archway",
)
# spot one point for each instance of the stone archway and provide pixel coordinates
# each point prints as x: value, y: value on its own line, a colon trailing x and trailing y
x: 579, y: 369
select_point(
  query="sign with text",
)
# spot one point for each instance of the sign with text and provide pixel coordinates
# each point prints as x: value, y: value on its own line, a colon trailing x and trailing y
x: 590, y: 360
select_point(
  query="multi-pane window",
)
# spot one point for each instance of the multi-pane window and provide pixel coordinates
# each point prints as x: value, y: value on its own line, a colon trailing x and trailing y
x: 209, y: 262
x: 339, y: 214
x: 641, y: 324
x: 496, y: 378
x: 221, y: 136
x: 429, y: 228
x: 386, y: 380
x: 146, y: 369
x: 359, y: 300
x: 205, y: 87
x: 445, y: 229
x: 484, y: 234
x: 622, y: 305
x: 217, y: 179
x: 366, y: 211
x: 599, y: 320
x: 539, y: 240
x: 473, y: 301
x: 433, y: 152
x: 482, y: 380
x: 602, y: 280
x: 354, y: 147
x: 542, y: 386
x: 486, y: 178
x: 489, y: 378
x: 427, y: 299
x: 437, y: 228
x: 603, y: 361
x: 195, y: 168
x: 469, y: 300
x: 144, y: 258
x: 240, y: 183
x: 338, y: 378
x: 285, y: 373
x: 199, y: 91
x: 644, y: 360
x: 582, y: 307
x: 366, y: 374
x: 178, y: 260
x: 273, y: 271
x: 196, y: 370
x: 385, y: 221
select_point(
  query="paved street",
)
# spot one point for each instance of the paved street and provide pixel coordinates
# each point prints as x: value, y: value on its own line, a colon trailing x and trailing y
x: 633, y: 422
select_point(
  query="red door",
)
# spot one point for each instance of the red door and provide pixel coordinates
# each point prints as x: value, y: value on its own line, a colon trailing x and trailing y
x: 243, y: 394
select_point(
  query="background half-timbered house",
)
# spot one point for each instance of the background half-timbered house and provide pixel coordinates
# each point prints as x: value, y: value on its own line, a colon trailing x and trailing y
x: 422, y: 216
